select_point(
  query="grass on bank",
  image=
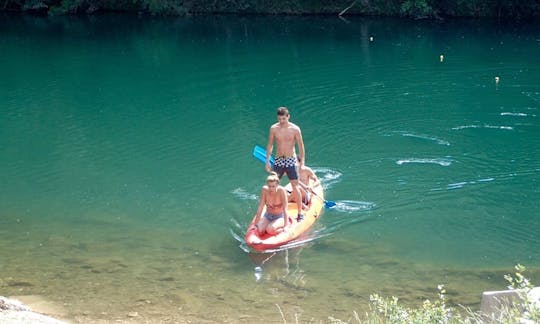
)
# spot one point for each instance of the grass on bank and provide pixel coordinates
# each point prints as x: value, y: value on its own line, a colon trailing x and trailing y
x: 523, y: 310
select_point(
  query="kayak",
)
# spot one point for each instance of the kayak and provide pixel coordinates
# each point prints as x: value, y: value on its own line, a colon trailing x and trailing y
x: 294, y: 230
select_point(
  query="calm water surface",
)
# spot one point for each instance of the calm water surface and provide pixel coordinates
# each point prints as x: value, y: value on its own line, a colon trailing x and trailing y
x: 127, y: 177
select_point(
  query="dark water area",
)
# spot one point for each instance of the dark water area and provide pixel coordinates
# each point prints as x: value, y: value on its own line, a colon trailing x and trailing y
x: 127, y: 176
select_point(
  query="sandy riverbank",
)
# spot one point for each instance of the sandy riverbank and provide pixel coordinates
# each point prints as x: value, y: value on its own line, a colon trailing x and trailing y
x: 34, y: 309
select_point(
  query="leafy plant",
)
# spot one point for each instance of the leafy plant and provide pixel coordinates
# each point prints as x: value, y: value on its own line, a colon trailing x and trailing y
x: 388, y: 310
x: 526, y: 308
x: 416, y: 8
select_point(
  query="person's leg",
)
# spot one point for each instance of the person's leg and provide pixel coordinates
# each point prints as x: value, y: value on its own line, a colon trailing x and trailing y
x: 290, y: 196
x: 305, y: 197
x: 276, y: 226
x: 261, y: 226
x: 292, y: 174
x: 298, y: 198
x: 278, y: 168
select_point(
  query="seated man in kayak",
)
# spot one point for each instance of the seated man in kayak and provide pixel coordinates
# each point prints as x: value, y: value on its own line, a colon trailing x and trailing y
x: 274, y: 196
x: 305, y: 174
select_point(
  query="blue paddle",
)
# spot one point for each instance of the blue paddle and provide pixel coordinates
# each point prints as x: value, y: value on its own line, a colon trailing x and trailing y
x: 260, y: 154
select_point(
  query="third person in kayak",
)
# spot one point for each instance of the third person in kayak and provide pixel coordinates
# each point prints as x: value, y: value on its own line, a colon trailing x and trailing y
x: 305, y: 175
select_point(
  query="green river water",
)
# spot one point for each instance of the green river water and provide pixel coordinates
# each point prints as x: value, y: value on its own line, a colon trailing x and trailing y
x: 127, y: 179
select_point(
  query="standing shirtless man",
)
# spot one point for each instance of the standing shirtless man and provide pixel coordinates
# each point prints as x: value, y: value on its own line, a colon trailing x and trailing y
x: 286, y: 135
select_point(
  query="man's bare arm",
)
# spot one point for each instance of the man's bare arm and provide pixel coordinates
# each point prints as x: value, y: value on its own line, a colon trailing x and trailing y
x: 269, y: 148
x: 262, y: 200
x: 301, y: 150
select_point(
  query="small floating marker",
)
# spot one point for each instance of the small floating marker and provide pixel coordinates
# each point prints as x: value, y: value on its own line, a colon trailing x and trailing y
x: 371, y: 38
x: 441, y: 58
x: 497, y: 79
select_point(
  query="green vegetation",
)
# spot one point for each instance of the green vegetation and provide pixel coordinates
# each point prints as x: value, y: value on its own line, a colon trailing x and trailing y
x: 388, y: 310
x: 526, y: 309
x: 521, y: 9
x: 417, y: 8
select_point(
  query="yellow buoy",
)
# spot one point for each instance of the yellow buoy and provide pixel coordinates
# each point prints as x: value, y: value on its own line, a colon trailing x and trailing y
x: 441, y: 58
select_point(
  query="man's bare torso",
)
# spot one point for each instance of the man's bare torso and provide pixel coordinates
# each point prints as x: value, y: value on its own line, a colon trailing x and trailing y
x: 285, y: 136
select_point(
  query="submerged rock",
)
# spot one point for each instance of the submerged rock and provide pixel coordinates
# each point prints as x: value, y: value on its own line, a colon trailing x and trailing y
x: 14, y: 312
x: 10, y: 304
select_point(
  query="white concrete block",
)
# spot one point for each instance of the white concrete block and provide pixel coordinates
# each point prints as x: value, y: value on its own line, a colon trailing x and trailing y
x: 494, y: 301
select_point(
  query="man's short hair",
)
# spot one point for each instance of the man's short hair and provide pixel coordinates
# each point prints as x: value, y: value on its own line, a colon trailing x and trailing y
x: 282, y: 111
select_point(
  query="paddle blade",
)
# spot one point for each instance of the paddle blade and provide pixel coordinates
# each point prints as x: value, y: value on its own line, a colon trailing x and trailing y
x: 260, y: 154
x: 329, y: 204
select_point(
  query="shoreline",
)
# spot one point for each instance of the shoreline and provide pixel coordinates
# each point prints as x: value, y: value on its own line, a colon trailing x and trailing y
x: 35, y: 309
x: 388, y: 8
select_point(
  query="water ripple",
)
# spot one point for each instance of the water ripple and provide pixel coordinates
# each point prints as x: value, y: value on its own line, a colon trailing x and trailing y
x: 515, y: 114
x: 327, y: 176
x: 351, y: 206
x: 488, y: 179
x: 439, y: 161
x: 533, y: 95
x: 242, y: 194
x: 483, y: 126
x: 458, y: 185
x: 423, y: 137
x: 356, y: 211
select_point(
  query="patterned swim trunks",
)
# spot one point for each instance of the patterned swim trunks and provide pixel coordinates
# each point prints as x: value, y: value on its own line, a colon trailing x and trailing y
x: 287, y: 165
x: 285, y: 162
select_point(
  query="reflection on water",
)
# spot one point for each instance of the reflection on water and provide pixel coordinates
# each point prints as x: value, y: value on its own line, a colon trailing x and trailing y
x: 282, y: 265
